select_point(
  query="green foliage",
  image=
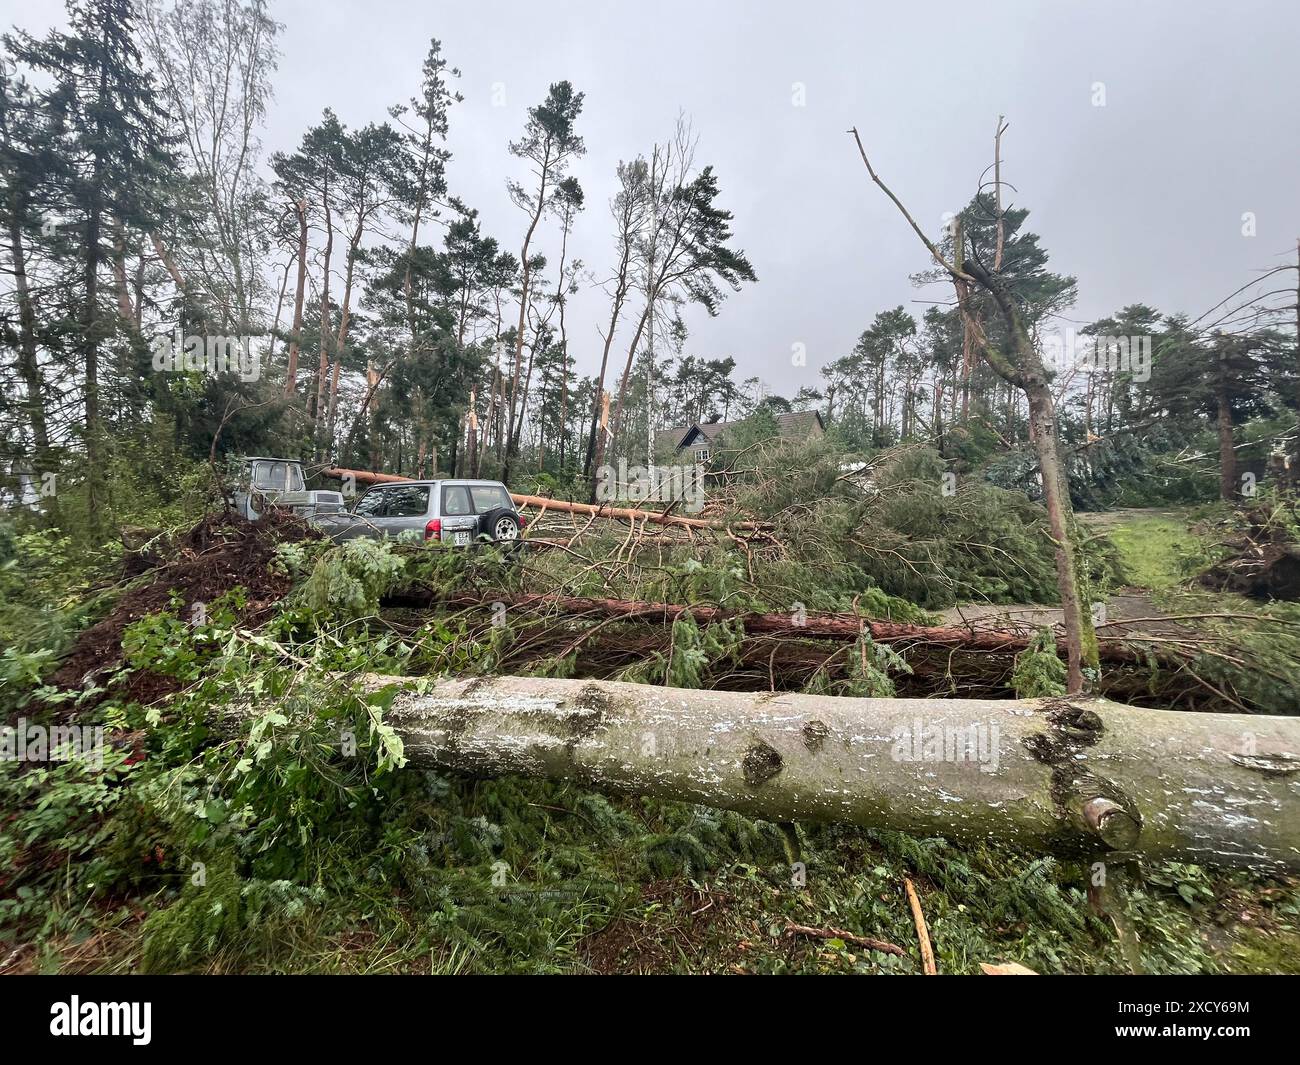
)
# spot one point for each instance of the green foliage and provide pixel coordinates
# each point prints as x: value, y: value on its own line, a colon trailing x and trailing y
x: 693, y: 651
x: 173, y: 646
x: 38, y: 572
x: 716, y: 580
x: 868, y: 675
x: 869, y: 667
x: 250, y: 813
x: 1165, y: 552
x: 937, y: 541
x: 1159, y: 552
x: 268, y: 848
x: 707, y: 839
x: 219, y: 911
x: 60, y: 842
x: 759, y: 428
x: 879, y: 605
x: 1039, y: 670
x: 349, y: 580
x: 20, y: 676
x: 1265, y: 645
x: 272, y: 773
x: 198, y: 924
x: 906, y: 528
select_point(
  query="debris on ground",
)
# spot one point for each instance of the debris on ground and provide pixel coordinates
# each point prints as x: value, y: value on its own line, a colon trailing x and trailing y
x: 219, y: 554
x: 1263, y: 562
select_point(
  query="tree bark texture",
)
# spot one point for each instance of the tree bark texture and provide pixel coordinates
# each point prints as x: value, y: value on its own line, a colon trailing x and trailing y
x: 1074, y: 777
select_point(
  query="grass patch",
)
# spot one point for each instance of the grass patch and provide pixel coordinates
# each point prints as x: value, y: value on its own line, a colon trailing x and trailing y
x: 1159, y: 552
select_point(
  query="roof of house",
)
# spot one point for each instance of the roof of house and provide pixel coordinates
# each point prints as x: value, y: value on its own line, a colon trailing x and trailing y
x: 796, y: 425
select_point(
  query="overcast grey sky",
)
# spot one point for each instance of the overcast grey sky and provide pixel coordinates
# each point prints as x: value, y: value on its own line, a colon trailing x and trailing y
x: 1142, y: 198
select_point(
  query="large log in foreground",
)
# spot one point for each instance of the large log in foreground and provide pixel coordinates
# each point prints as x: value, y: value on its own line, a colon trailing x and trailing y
x: 1069, y: 777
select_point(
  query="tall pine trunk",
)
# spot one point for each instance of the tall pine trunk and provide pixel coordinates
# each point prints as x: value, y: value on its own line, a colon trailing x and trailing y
x: 1024, y: 371
x: 291, y: 369
x: 1223, y: 420
x: 322, y: 370
x: 525, y: 285
x: 1081, y: 641
x: 28, y: 366
x: 90, y: 319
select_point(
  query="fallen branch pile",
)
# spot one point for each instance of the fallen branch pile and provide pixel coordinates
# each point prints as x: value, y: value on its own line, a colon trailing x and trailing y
x: 1263, y: 563
x: 644, y: 570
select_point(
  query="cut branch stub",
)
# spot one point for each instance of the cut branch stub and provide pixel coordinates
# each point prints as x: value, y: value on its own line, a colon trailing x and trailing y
x: 1109, y: 821
x: 1097, y: 808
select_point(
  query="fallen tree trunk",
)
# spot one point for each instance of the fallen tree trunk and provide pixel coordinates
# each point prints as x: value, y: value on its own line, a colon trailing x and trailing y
x: 777, y: 662
x: 1080, y: 778
x: 655, y: 517
x: 823, y: 626
x: 363, y: 476
x: 560, y: 506
x: 537, y: 543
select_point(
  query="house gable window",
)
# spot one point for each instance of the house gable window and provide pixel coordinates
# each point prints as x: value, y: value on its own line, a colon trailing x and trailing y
x: 697, y: 440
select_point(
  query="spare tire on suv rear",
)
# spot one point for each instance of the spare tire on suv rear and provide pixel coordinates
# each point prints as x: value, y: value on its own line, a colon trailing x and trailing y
x: 499, y: 524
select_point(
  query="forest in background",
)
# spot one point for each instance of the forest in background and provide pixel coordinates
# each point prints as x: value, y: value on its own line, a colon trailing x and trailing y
x: 341, y: 304
x: 379, y: 327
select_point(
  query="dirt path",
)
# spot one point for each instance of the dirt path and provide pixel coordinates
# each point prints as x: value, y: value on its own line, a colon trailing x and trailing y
x: 1105, y: 520
x: 1130, y: 605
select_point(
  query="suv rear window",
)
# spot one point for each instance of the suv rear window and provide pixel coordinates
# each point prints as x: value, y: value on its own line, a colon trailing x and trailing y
x: 455, y: 501
x: 489, y: 497
x: 371, y: 505
x: 408, y: 501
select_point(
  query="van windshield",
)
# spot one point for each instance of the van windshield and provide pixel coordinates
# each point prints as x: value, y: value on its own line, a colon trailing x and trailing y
x: 277, y: 477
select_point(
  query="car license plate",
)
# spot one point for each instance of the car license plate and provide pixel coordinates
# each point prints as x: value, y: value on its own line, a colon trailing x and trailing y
x: 461, y: 538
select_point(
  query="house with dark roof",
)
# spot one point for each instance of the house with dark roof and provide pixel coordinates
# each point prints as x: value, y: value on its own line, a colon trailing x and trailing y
x: 697, y: 442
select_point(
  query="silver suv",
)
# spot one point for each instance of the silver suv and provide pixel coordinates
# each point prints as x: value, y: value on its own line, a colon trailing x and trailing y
x: 454, y: 512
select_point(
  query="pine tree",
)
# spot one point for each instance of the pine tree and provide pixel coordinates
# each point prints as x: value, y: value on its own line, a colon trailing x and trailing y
x: 549, y: 144
x: 1222, y: 377
x: 118, y: 155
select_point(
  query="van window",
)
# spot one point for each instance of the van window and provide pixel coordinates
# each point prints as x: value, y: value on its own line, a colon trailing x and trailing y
x: 455, y: 501
x: 409, y: 501
x: 268, y: 476
x: 277, y: 477
x: 489, y: 497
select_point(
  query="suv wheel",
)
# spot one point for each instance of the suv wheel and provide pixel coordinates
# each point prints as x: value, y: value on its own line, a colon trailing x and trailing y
x: 500, y: 524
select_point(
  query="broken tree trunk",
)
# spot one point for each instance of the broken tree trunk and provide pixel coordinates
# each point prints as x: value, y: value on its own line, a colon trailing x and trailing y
x: 1072, y: 777
x: 633, y: 514
x: 835, y: 626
